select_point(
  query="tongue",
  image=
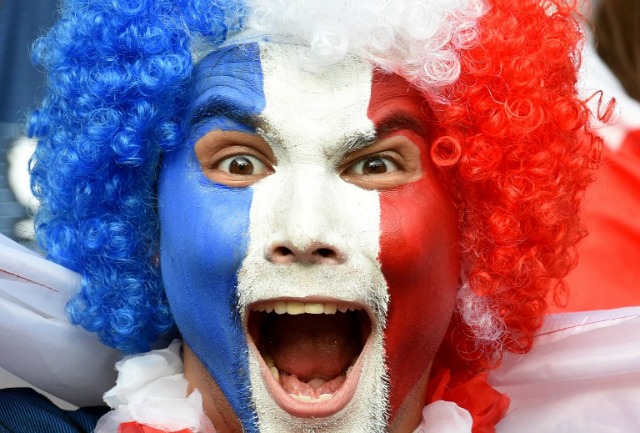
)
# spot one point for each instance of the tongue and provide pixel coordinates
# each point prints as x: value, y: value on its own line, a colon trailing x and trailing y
x: 314, y: 388
x: 312, y: 347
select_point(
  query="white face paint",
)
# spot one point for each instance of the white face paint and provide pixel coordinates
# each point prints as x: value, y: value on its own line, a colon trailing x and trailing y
x: 314, y: 238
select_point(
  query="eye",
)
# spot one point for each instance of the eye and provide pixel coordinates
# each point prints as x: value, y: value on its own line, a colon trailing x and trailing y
x: 386, y: 164
x: 372, y: 165
x: 234, y: 158
x: 242, y: 165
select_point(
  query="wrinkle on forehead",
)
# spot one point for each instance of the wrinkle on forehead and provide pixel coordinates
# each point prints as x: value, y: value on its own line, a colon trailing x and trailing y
x: 325, y: 113
x: 226, y: 91
x: 349, y: 142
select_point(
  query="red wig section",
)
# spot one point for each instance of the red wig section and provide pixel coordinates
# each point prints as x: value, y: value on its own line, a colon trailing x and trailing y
x: 514, y: 148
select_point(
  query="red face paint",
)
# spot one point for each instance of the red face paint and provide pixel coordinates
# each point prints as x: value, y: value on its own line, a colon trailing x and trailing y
x: 418, y: 246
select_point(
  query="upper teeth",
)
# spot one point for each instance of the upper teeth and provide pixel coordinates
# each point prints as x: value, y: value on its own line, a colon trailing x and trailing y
x: 297, y: 307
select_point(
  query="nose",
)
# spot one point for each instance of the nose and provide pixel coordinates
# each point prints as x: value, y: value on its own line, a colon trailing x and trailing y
x: 284, y: 253
x: 305, y: 216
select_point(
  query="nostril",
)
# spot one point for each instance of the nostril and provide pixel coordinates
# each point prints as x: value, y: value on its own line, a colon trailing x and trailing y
x: 326, y: 253
x: 282, y: 252
x: 315, y: 253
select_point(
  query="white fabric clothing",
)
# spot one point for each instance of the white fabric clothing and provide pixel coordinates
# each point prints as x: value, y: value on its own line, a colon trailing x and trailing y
x: 582, y: 376
x: 38, y: 343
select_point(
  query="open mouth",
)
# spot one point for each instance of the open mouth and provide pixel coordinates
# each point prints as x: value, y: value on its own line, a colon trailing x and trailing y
x: 310, y: 353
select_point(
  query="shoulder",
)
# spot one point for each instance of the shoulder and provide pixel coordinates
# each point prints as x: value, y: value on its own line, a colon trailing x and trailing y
x: 23, y: 410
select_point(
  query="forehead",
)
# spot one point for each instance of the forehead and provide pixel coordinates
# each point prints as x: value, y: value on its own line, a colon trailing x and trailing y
x: 262, y: 86
x: 331, y: 105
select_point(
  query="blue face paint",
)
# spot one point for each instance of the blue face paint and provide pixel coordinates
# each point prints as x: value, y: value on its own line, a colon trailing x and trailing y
x: 205, y: 226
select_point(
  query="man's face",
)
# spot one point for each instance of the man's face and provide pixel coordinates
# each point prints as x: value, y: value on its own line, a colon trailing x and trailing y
x: 308, y: 247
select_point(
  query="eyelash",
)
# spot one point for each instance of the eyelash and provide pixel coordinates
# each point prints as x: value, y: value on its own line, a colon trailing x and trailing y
x: 395, y: 166
x: 263, y: 167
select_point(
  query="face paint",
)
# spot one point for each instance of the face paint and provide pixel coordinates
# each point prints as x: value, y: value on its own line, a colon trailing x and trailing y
x: 315, y: 241
x: 204, y: 226
x: 419, y: 253
x: 366, y: 266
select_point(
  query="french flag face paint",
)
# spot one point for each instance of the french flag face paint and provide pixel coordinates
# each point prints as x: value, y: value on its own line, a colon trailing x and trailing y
x: 205, y: 226
x: 308, y: 247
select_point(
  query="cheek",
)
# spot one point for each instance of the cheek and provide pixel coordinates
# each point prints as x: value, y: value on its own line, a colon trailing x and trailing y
x: 418, y: 253
x: 203, y: 242
x: 419, y: 259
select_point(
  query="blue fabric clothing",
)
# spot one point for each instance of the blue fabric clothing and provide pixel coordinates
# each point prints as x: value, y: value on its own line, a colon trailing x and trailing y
x: 23, y: 410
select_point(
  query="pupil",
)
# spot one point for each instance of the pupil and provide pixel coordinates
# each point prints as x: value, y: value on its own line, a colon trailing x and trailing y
x: 375, y: 166
x: 241, y: 165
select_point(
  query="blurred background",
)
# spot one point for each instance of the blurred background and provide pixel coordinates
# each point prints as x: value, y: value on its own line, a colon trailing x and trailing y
x: 21, y: 85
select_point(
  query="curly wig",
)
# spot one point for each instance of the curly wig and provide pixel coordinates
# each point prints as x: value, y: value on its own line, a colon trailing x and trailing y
x: 514, y: 147
x: 511, y: 144
x: 117, y: 72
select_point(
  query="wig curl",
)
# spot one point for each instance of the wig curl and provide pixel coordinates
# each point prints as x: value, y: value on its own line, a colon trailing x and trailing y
x: 417, y: 39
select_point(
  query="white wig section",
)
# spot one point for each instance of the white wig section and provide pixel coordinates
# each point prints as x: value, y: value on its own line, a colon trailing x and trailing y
x: 487, y: 326
x: 418, y: 39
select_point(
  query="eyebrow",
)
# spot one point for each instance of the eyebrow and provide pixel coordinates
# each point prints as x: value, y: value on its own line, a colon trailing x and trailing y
x: 222, y: 107
x: 349, y: 143
x: 400, y: 120
x: 396, y: 121
x: 359, y: 140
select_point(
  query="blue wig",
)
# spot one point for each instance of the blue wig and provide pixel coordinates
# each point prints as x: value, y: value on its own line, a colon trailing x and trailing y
x: 117, y: 71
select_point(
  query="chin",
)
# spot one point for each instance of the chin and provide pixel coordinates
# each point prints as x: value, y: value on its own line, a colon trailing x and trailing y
x: 317, y: 362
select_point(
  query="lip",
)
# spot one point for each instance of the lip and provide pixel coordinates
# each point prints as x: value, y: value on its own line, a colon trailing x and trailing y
x: 317, y: 408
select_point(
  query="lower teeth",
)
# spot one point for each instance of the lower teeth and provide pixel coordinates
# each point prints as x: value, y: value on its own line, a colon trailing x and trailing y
x: 274, y: 371
x: 309, y: 399
x: 303, y: 398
